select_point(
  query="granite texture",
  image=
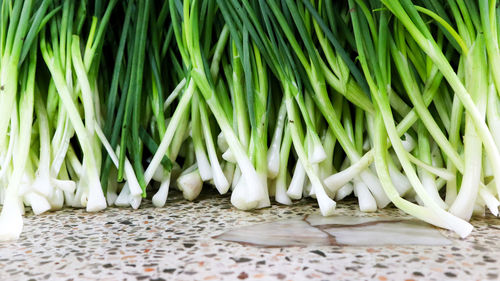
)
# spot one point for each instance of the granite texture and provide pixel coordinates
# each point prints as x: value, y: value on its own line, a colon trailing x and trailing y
x: 176, y: 243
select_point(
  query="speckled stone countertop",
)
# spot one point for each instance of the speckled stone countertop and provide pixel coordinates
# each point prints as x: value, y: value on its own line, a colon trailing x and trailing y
x: 175, y: 243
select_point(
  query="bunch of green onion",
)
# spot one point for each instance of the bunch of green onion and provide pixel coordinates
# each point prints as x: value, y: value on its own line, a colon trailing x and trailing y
x: 108, y: 102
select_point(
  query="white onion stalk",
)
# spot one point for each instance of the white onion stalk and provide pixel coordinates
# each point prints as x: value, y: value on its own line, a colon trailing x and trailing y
x: 477, y: 84
x: 111, y: 194
x: 133, y: 184
x: 297, y: 183
x: 236, y: 177
x: 197, y: 131
x: 123, y: 199
x: 280, y: 187
x: 56, y: 200
x: 315, y: 149
x: 365, y: 199
x: 219, y: 178
x: 489, y: 199
x: 175, y: 93
x: 326, y: 204
x: 229, y: 156
x: 11, y: 222
x: 228, y: 169
x: 339, y: 179
x: 429, y: 183
x: 344, y: 191
x: 375, y: 187
x: 181, y: 108
x: 221, y: 142
x: 400, y: 181
x: 408, y: 142
x: 161, y: 195
x: 38, y: 203
x: 273, y: 154
x: 190, y: 184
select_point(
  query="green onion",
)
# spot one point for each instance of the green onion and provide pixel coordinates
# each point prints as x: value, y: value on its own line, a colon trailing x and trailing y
x: 385, y: 101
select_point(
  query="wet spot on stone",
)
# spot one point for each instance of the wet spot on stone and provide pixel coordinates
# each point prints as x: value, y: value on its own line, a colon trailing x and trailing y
x: 492, y: 276
x: 489, y: 259
x: 450, y: 274
x: 440, y: 260
x: 240, y: 260
x: 318, y: 252
x: 480, y: 248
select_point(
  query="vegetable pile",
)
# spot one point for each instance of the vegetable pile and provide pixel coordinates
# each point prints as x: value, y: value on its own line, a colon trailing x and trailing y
x: 106, y: 102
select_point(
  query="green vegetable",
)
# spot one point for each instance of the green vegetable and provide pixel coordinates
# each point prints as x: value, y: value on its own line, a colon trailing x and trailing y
x: 107, y: 103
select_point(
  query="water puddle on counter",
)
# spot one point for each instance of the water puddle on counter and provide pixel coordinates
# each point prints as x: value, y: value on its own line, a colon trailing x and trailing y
x: 315, y: 230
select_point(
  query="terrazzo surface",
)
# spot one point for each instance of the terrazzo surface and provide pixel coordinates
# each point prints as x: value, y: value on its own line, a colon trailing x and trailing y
x: 175, y: 243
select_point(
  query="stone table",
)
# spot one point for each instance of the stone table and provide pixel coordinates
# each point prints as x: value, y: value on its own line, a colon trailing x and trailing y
x: 177, y: 243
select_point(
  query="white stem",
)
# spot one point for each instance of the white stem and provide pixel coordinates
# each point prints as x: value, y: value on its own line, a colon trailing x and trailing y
x: 190, y: 184
x: 337, y: 180
x: 273, y: 154
x: 375, y: 187
x: 408, y: 142
x: 241, y: 194
x: 401, y: 182
x: 281, y: 195
x: 440, y: 172
x: 490, y: 200
x: 174, y: 94
x: 203, y: 164
x: 220, y: 180
x: 464, y: 203
x: 111, y: 193
x: 229, y: 156
x: 344, y: 191
x: 315, y: 149
x: 135, y: 201
x: 228, y: 170
x: 236, y: 177
x: 297, y: 182
x: 365, y: 199
x: 160, y: 198
x: 123, y: 198
x: 221, y: 142
x: 429, y: 183
x: 182, y: 106
x: 56, y: 200
x: 11, y: 218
